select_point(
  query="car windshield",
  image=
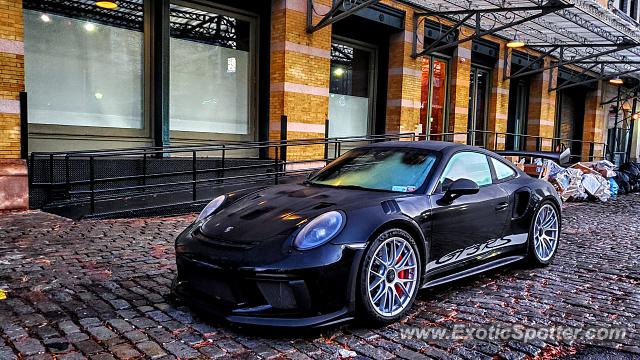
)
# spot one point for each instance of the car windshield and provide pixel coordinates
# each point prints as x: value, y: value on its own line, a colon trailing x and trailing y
x: 398, y: 170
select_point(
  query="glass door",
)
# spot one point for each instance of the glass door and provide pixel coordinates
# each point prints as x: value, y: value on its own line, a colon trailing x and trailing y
x: 351, y: 89
x: 478, y: 104
x: 433, y: 98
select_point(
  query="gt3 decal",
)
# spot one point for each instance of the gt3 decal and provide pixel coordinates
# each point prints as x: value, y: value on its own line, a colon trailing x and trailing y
x: 478, y: 249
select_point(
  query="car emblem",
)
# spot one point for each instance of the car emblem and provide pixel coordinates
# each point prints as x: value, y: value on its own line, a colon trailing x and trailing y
x: 228, y: 229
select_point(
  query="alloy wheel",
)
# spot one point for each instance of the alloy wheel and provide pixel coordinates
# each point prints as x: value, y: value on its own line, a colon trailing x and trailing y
x: 392, y: 276
x: 545, y: 232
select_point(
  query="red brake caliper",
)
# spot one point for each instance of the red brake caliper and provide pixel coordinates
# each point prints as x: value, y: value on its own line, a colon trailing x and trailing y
x: 401, y: 275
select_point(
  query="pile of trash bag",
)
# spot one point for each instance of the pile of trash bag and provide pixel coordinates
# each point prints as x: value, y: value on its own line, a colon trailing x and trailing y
x: 627, y: 178
x: 596, y: 180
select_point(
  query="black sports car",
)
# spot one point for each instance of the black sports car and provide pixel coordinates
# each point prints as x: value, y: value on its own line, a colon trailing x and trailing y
x: 364, y: 234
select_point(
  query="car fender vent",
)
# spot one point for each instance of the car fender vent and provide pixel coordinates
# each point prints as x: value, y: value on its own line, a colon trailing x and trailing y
x: 390, y: 207
x: 521, y: 202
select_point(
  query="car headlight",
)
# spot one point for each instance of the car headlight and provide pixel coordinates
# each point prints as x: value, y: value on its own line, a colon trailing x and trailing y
x: 211, y: 207
x: 319, y: 230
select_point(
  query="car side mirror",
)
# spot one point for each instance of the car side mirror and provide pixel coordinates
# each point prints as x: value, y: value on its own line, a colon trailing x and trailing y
x: 459, y: 188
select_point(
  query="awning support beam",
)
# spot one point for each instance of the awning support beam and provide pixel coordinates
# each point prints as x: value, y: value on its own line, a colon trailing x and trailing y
x: 628, y: 94
x: 523, y: 72
x: 330, y: 17
x: 561, y: 63
x: 601, y: 77
x: 550, y: 7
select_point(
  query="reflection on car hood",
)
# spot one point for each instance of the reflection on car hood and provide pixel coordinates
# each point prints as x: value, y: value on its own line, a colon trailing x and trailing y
x: 276, y: 212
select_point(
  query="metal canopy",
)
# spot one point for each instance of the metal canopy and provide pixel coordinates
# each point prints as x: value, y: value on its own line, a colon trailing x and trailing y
x: 340, y: 10
x: 578, y: 32
x: 484, y: 22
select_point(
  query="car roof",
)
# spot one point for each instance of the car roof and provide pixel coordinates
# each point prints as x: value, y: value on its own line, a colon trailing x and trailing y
x: 441, y: 146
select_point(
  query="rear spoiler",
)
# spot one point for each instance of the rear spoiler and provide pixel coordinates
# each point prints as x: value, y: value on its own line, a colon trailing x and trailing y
x: 560, y: 158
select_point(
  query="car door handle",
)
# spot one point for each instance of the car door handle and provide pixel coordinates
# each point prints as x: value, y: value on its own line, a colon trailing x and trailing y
x: 502, y: 206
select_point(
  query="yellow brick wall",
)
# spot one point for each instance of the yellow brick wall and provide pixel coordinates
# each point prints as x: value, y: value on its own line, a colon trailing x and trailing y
x: 542, y: 109
x: 11, y: 76
x: 594, y: 128
x: 459, y: 89
x: 300, y: 68
x: 403, y: 90
x: 499, y: 102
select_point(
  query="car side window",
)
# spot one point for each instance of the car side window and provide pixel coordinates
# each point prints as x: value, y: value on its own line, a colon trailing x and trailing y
x: 503, y: 171
x: 466, y: 165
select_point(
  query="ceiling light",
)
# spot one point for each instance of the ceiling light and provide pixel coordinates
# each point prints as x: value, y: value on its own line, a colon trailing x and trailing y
x: 45, y: 18
x: 107, y: 4
x: 338, y: 72
x: 515, y: 43
x: 616, y: 81
x: 89, y: 27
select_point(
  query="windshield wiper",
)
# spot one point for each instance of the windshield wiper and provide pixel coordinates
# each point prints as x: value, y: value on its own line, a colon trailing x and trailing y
x: 356, y: 187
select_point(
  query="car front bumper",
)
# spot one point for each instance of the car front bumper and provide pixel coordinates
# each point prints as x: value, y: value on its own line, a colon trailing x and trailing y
x: 305, y: 289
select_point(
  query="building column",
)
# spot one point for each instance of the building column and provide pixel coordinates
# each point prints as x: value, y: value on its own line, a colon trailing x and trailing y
x: 542, y: 109
x: 403, y: 90
x: 459, y: 89
x: 499, y: 103
x: 14, y: 192
x: 300, y: 66
x: 594, y: 126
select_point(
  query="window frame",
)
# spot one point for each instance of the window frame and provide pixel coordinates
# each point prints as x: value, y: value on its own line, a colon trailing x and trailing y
x: 177, y: 136
x: 438, y: 185
x: 495, y: 174
x: 90, y: 133
x: 89, y: 136
x: 372, y: 76
x: 426, y: 131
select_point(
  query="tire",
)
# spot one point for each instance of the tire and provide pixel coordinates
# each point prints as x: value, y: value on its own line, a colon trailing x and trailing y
x: 543, y: 244
x: 398, y: 280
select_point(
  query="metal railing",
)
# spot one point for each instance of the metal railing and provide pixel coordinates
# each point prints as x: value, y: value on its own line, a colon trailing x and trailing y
x: 513, y: 141
x: 78, y: 177
x: 196, y: 172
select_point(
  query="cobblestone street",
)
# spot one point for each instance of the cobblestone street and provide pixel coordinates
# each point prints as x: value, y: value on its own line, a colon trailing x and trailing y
x: 99, y: 290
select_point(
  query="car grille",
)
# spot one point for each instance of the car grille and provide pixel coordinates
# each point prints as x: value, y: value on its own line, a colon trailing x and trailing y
x: 199, y: 236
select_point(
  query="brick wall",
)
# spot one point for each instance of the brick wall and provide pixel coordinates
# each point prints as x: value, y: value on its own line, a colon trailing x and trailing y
x: 499, y: 102
x: 403, y: 91
x: 459, y: 89
x: 542, y: 109
x: 11, y: 77
x: 594, y: 128
x: 300, y: 66
x: 13, y: 174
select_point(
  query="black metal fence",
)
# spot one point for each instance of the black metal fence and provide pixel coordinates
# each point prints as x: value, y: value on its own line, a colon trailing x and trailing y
x: 106, y: 181
x: 87, y: 183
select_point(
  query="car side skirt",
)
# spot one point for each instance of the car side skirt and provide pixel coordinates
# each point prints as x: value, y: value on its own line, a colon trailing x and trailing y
x: 474, y: 270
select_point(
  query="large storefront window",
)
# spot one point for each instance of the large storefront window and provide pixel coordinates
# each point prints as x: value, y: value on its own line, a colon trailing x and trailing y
x: 478, y: 103
x: 210, y: 69
x: 349, y: 90
x: 433, y: 101
x: 81, y: 69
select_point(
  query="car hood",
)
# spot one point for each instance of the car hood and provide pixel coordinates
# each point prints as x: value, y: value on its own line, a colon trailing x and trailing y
x: 275, y: 212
